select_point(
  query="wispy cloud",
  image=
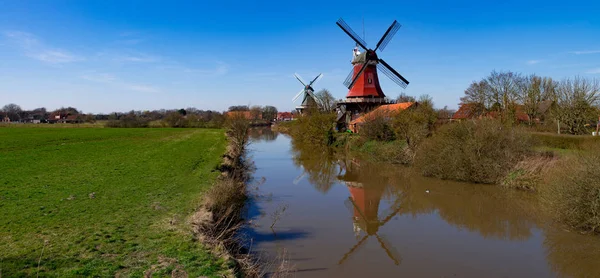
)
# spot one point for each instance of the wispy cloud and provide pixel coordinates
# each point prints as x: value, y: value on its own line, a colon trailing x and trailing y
x: 113, y: 80
x: 139, y: 58
x: 142, y: 88
x: 533, y: 62
x: 33, y: 48
x: 593, y: 71
x: 221, y: 68
x: 585, y: 52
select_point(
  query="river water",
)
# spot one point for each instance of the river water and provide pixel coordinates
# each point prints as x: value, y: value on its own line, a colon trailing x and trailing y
x: 332, y: 216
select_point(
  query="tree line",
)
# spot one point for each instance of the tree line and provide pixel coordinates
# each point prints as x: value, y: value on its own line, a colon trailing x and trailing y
x: 573, y: 102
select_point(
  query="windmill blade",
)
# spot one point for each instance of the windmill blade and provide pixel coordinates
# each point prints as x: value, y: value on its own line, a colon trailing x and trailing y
x: 358, y: 75
x: 299, y: 178
x: 300, y: 79
x: 311, y: 94
x: 390, y: 216
x: 349, y: 206
x: 390, y: 251
x: 362, y: 240
x: 349, y: 78
x: 387, y: 37
x: 362, y: 215
x: 316, y: 79
x: 392, y: 73
x: 298, y: 95
x: 342, y: 24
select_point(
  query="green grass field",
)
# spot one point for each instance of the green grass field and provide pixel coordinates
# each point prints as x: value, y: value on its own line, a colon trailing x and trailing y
x: 104, y: 202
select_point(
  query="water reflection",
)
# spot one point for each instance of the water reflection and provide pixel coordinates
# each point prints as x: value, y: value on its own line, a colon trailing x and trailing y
x: 365, y: 196
x: 366, y: 219
x: 262, y: 134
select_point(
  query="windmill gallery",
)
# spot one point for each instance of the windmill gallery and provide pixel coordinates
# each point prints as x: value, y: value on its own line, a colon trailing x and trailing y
x: 364, y: 90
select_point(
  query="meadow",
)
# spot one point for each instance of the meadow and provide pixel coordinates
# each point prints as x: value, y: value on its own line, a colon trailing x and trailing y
x: 105, y: 202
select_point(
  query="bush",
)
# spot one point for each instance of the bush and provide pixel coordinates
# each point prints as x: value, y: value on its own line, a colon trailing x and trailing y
x: 314, y: 128
x: 128, y: 121
x: 573, y: 195
x: 481, y: 151
x: 377, y: 127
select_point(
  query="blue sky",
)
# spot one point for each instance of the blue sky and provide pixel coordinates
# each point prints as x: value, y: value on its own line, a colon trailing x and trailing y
x: 104, y: 56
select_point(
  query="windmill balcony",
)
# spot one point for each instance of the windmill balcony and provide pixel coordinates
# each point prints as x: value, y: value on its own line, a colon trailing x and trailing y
x: 366, y: 100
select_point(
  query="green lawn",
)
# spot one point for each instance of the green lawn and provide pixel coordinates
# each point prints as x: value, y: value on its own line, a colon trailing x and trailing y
x: 104, y: 202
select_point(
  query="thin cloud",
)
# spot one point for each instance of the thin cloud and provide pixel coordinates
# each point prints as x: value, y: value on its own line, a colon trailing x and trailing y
x: 533, y: 62
x: 593, y: 71
x: 143, y: 88
x: 112, y: 80
x: 138, y: 58
x: 33, y: 48
x: 585, y: 52
x: 54, y: 57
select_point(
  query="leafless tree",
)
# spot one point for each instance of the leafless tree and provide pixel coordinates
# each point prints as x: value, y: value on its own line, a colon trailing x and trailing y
x: 325, y: 100
x: 577, y: 101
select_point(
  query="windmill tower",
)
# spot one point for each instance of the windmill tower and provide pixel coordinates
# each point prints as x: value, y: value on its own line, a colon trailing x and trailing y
x: 309, y: 100
x: 364, y: 91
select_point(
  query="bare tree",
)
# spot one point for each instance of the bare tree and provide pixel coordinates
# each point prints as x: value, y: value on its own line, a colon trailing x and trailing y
x: 255, y: 112
x: 530, y: 95
x: 577, y: 101
x: 13, y: 111
x: 478, y: 93
x: 403, y: 97
x: 325, y: 100
x: 269, y: 113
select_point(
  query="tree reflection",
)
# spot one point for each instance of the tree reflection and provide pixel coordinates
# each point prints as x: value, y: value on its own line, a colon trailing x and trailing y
x: 488, y: 210
x: 318, y: 163
x: 262, y: 134
x: 572, y: 254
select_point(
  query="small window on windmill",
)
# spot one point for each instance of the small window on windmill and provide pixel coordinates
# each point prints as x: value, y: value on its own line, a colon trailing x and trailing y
x: 370, y: 78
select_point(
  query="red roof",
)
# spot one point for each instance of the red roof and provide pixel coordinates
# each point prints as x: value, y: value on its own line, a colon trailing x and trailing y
x: 383, y: 109
x: 285, y: 115
x: 467, y: 111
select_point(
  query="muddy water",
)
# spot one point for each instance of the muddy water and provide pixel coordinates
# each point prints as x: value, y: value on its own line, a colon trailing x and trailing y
x: 343, y: 217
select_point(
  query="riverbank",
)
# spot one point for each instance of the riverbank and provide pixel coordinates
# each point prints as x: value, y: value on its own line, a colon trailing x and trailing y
x: 106, y: 202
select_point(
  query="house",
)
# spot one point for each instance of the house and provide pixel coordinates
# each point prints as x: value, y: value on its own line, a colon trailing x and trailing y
x: 60, y: 117
x: 5, y: 119
x: 387, y: 111
x: 475, y: 110
x: 468, y: 111
x: 285, y: 116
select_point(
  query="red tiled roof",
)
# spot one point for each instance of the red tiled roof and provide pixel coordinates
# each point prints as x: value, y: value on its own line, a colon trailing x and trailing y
x: 465, y: 111
x: 383, y: 109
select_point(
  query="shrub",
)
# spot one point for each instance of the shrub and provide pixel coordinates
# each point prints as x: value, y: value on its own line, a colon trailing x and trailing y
x: 573, y: 195
x: 415, y: 124
x: 481, y: 151
x: 129, y: 121
x: 314, y: 128
x: 377, y: 127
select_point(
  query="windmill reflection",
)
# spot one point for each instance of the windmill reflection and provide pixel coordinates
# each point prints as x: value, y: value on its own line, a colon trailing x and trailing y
x: 366, y: 192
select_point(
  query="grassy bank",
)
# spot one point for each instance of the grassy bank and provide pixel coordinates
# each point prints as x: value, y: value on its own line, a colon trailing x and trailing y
x: 105, y: 202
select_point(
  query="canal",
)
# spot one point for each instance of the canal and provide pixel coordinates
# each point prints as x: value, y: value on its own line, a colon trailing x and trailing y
x: 335, y: 216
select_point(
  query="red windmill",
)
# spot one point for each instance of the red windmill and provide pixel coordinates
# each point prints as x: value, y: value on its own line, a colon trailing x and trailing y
x: 363, y: 83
